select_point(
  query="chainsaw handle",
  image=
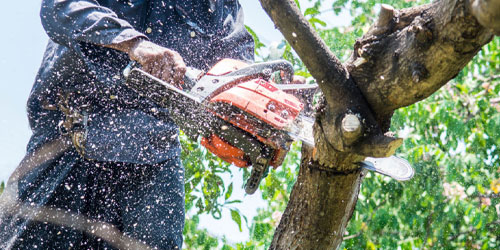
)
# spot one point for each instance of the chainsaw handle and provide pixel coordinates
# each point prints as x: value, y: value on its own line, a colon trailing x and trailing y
x: 265, y: 70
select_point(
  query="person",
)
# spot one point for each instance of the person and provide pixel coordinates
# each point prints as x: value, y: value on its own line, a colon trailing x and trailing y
x: 123, y: 167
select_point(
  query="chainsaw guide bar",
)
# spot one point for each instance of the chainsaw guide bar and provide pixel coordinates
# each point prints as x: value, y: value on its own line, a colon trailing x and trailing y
x: 394, y: 167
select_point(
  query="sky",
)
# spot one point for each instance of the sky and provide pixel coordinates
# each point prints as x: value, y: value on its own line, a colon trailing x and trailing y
x: 22, y: 44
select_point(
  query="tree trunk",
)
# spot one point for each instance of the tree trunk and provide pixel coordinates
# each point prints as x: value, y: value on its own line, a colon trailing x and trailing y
x: 314, y: 204
x: 406, y: 56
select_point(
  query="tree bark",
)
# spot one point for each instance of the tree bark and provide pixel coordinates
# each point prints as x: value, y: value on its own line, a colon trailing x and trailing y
x: 415, y: 53
x: 487, y: 13
x: 406, y: 56
x: 321, y: 203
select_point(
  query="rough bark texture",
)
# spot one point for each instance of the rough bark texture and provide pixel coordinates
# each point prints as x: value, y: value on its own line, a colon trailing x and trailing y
x: 320, y: 197
x: 487, y: 12
x: 406, y: 56
x: 416, y: 52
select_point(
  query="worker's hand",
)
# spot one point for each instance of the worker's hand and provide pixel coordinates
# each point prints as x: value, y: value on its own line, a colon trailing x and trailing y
x: 161, y: 62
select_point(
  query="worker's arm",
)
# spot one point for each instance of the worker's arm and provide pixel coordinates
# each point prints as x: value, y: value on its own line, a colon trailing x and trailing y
x: 71, y: 22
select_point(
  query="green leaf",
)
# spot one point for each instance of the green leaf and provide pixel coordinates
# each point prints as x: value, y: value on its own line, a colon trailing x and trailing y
x: 235, y: 215
x: 261, y: 230
x: 493, y: 127
x: 314, y: 21
x: 257, y: 43
x: 311, y: 11
x: 480, y: 188
x: 233, y: 202
x: 229, y: 191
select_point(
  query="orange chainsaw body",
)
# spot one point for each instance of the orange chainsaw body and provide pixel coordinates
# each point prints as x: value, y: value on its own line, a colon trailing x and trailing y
x: 253, y: 102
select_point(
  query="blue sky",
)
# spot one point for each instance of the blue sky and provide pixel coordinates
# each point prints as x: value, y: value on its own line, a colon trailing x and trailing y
x: 22, y: 44
x: 21, y: 48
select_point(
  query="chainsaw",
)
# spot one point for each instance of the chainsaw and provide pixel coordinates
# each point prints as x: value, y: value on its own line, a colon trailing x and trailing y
x: 243, y: 116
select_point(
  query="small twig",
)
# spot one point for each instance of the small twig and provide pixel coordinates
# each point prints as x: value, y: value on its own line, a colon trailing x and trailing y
x: 353, y: 236
x: 491, y: 196
x: 483, y: 79
x: 428, y: 227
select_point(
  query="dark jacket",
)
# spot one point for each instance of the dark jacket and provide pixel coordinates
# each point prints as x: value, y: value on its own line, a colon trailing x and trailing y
x: 121, y: 127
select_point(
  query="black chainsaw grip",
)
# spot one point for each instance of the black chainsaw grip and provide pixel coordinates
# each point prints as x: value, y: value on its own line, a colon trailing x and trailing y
x: 265, y: 69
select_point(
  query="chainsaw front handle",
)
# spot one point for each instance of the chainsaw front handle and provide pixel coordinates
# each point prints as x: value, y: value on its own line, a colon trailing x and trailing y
x: 265, y: 70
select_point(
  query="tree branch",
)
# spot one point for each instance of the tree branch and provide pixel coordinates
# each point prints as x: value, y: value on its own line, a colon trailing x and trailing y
x: 491, y: 196
x: 342, y: 97
x: 321, y: 204
x: 312, y: 50
x: 419, y: 50
x: 402, y: 59
x: 487, y: 13
x: 353, y: 236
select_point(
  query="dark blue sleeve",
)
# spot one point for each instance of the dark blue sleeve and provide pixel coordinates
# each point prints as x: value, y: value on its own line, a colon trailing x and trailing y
x: 238, y: 43
x: 73, y: 21
x: 84, y: 26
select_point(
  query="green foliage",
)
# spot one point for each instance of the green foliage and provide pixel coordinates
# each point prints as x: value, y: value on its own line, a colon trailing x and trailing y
x: 258, y: 44
x: 196, y: 239
x: 451, y: 139
x: 204, y: 184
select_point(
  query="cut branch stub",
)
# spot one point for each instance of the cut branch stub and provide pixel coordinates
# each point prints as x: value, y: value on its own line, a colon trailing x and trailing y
x: 385, y: 19
x: 351, y: 128
x: 385, y: 16
x: 380, y: 145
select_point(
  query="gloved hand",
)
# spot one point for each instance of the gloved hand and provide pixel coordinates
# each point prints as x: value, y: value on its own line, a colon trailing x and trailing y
x: 159, y: 61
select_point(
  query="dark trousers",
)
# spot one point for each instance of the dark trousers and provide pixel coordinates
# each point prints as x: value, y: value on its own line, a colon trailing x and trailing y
x: 144, y: 202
